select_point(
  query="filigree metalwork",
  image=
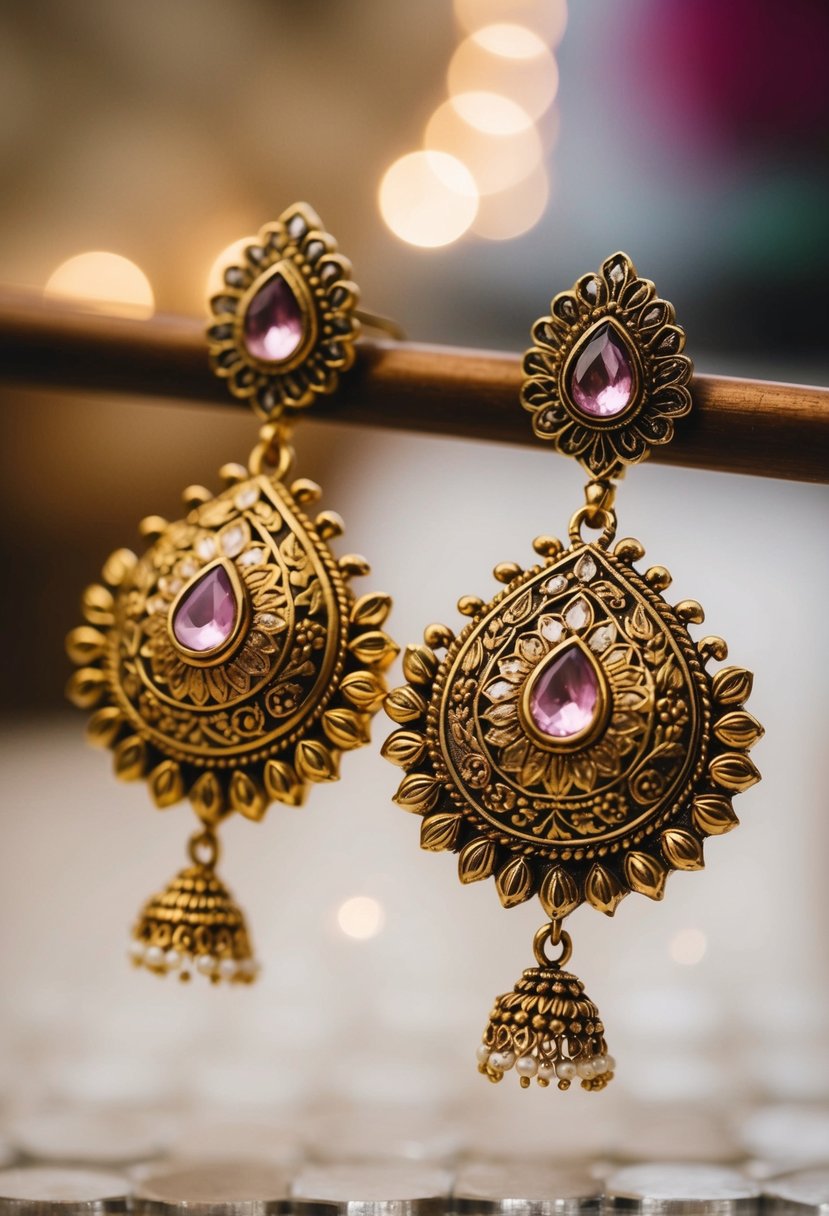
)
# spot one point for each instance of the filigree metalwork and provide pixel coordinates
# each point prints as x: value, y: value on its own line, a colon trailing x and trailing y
x: 272, y: 713
x: 613, y: 813
x: 644, y: 328
x: 317, y: 278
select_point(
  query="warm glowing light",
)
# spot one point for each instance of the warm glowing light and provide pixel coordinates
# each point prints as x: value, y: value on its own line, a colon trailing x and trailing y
x: 688, y: 947
x: 511, y: 213
x: 547, y: 18
x: 531, y: 81
x: 231, y: 255
x: 105, y: 282
x: 495, y: 161
x: 491, y: 113
x: 510, y: 41
x: 429, y: 198
x: 360, y: 917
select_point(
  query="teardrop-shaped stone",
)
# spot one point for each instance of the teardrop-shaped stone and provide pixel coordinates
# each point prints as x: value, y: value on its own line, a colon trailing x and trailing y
x: 601, y: 382
x: 206, y: 614
x: 273, y: 322
x: 565, y: 697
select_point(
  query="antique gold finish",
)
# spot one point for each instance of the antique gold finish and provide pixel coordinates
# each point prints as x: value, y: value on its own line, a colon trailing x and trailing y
x: 296, y: 249
x: 569, y: 742
x: 292, y: 669
x: 616, y: 296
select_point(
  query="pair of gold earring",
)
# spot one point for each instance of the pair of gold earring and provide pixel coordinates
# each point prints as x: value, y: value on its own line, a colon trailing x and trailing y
x: 568, y: 742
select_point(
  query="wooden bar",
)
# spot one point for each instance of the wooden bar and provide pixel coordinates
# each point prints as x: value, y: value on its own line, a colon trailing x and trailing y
x: 740, y: 426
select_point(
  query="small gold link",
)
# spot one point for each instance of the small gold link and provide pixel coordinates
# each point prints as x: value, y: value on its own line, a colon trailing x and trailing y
x: 593, y: 517
x: 554, y: 934
x: 203, y: 849
x: 273, y: 453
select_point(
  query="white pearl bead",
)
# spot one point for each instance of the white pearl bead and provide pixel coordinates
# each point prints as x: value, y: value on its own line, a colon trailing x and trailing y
x: 527, y: 1066
x: 599, y: 1065
x: 547, y: 1071
x: 172, y: 960
x: 565, y: 1071
x: 482, y: 1054
x: 154, y: 957
x: 248, y: 967
x: 585, y: 1070
x: 502, y: 1060
x: 610, y: 1063
x: 227, y: 968
x: 206, y: 963
x: 137, y: 951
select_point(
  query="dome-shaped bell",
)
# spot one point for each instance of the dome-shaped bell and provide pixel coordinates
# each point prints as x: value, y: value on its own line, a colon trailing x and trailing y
x: 194, y: 925
x: 547, y: 1028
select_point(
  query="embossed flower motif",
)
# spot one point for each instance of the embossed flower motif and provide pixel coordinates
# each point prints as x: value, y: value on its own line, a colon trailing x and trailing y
x: 561, y: 773
x: 606, y: 378
x: 283, y: 325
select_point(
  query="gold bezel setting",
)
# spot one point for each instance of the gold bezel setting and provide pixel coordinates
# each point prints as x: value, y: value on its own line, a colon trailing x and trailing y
x: 661, y: 372
x: 297, y: 248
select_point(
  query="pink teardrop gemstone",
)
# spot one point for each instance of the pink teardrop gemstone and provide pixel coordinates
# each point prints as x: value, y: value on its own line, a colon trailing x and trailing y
x: 206, y: 614
x: 273, y: 322
x: 602, y: 378
x: 565, y: 697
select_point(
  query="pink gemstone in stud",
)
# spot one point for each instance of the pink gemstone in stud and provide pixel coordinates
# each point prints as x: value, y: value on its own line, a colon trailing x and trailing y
x: 273, y: 322
x: 565, y: 697
x: 206, y: 614
x: 602, y: 379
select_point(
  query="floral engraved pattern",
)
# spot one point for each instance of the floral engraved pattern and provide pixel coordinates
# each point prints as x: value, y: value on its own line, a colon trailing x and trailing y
x: 268, y: 709
x: 582, y: 816
x: 647, y: 327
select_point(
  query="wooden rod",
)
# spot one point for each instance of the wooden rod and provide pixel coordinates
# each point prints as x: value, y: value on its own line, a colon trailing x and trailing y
x: 738, y: 426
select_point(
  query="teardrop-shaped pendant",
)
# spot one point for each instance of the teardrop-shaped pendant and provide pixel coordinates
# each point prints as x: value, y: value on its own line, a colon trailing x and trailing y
x: 231, y: 663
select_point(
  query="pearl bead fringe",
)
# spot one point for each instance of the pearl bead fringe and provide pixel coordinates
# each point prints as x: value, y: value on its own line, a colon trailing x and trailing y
x: 163, y: 962
x: 594, y: 1072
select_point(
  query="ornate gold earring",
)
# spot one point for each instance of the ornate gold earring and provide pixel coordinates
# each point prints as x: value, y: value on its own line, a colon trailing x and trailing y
x: 571, y: 742
x: 231, y: 663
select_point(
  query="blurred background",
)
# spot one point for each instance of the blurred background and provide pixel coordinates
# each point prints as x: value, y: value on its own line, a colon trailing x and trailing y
x: 472, y: 159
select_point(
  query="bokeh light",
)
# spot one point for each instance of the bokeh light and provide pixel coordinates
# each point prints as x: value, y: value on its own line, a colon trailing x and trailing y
x: 496, y: 161
x: 510, y: 213
x: 105, y: 282
x: 547, y: 18
x: 530, y: 81
x: 360, y: 917
x: 688, y: 947
x: 429, y: 198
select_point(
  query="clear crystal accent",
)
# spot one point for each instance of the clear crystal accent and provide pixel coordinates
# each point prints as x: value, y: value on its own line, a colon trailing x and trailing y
x: 556, y: 584
x: 499, y: 690
x: 585, y: 568
x: 601, y: 638
x: 252, y: 557
x: 577, y: 614
x: 550, y: 628
x: 246, y: 497
x: 233, y: 540
x: 206, y: 547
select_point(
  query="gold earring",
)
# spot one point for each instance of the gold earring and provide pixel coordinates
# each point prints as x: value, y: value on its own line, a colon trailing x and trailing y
x: 571, y: 743
x: 231, y: 663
